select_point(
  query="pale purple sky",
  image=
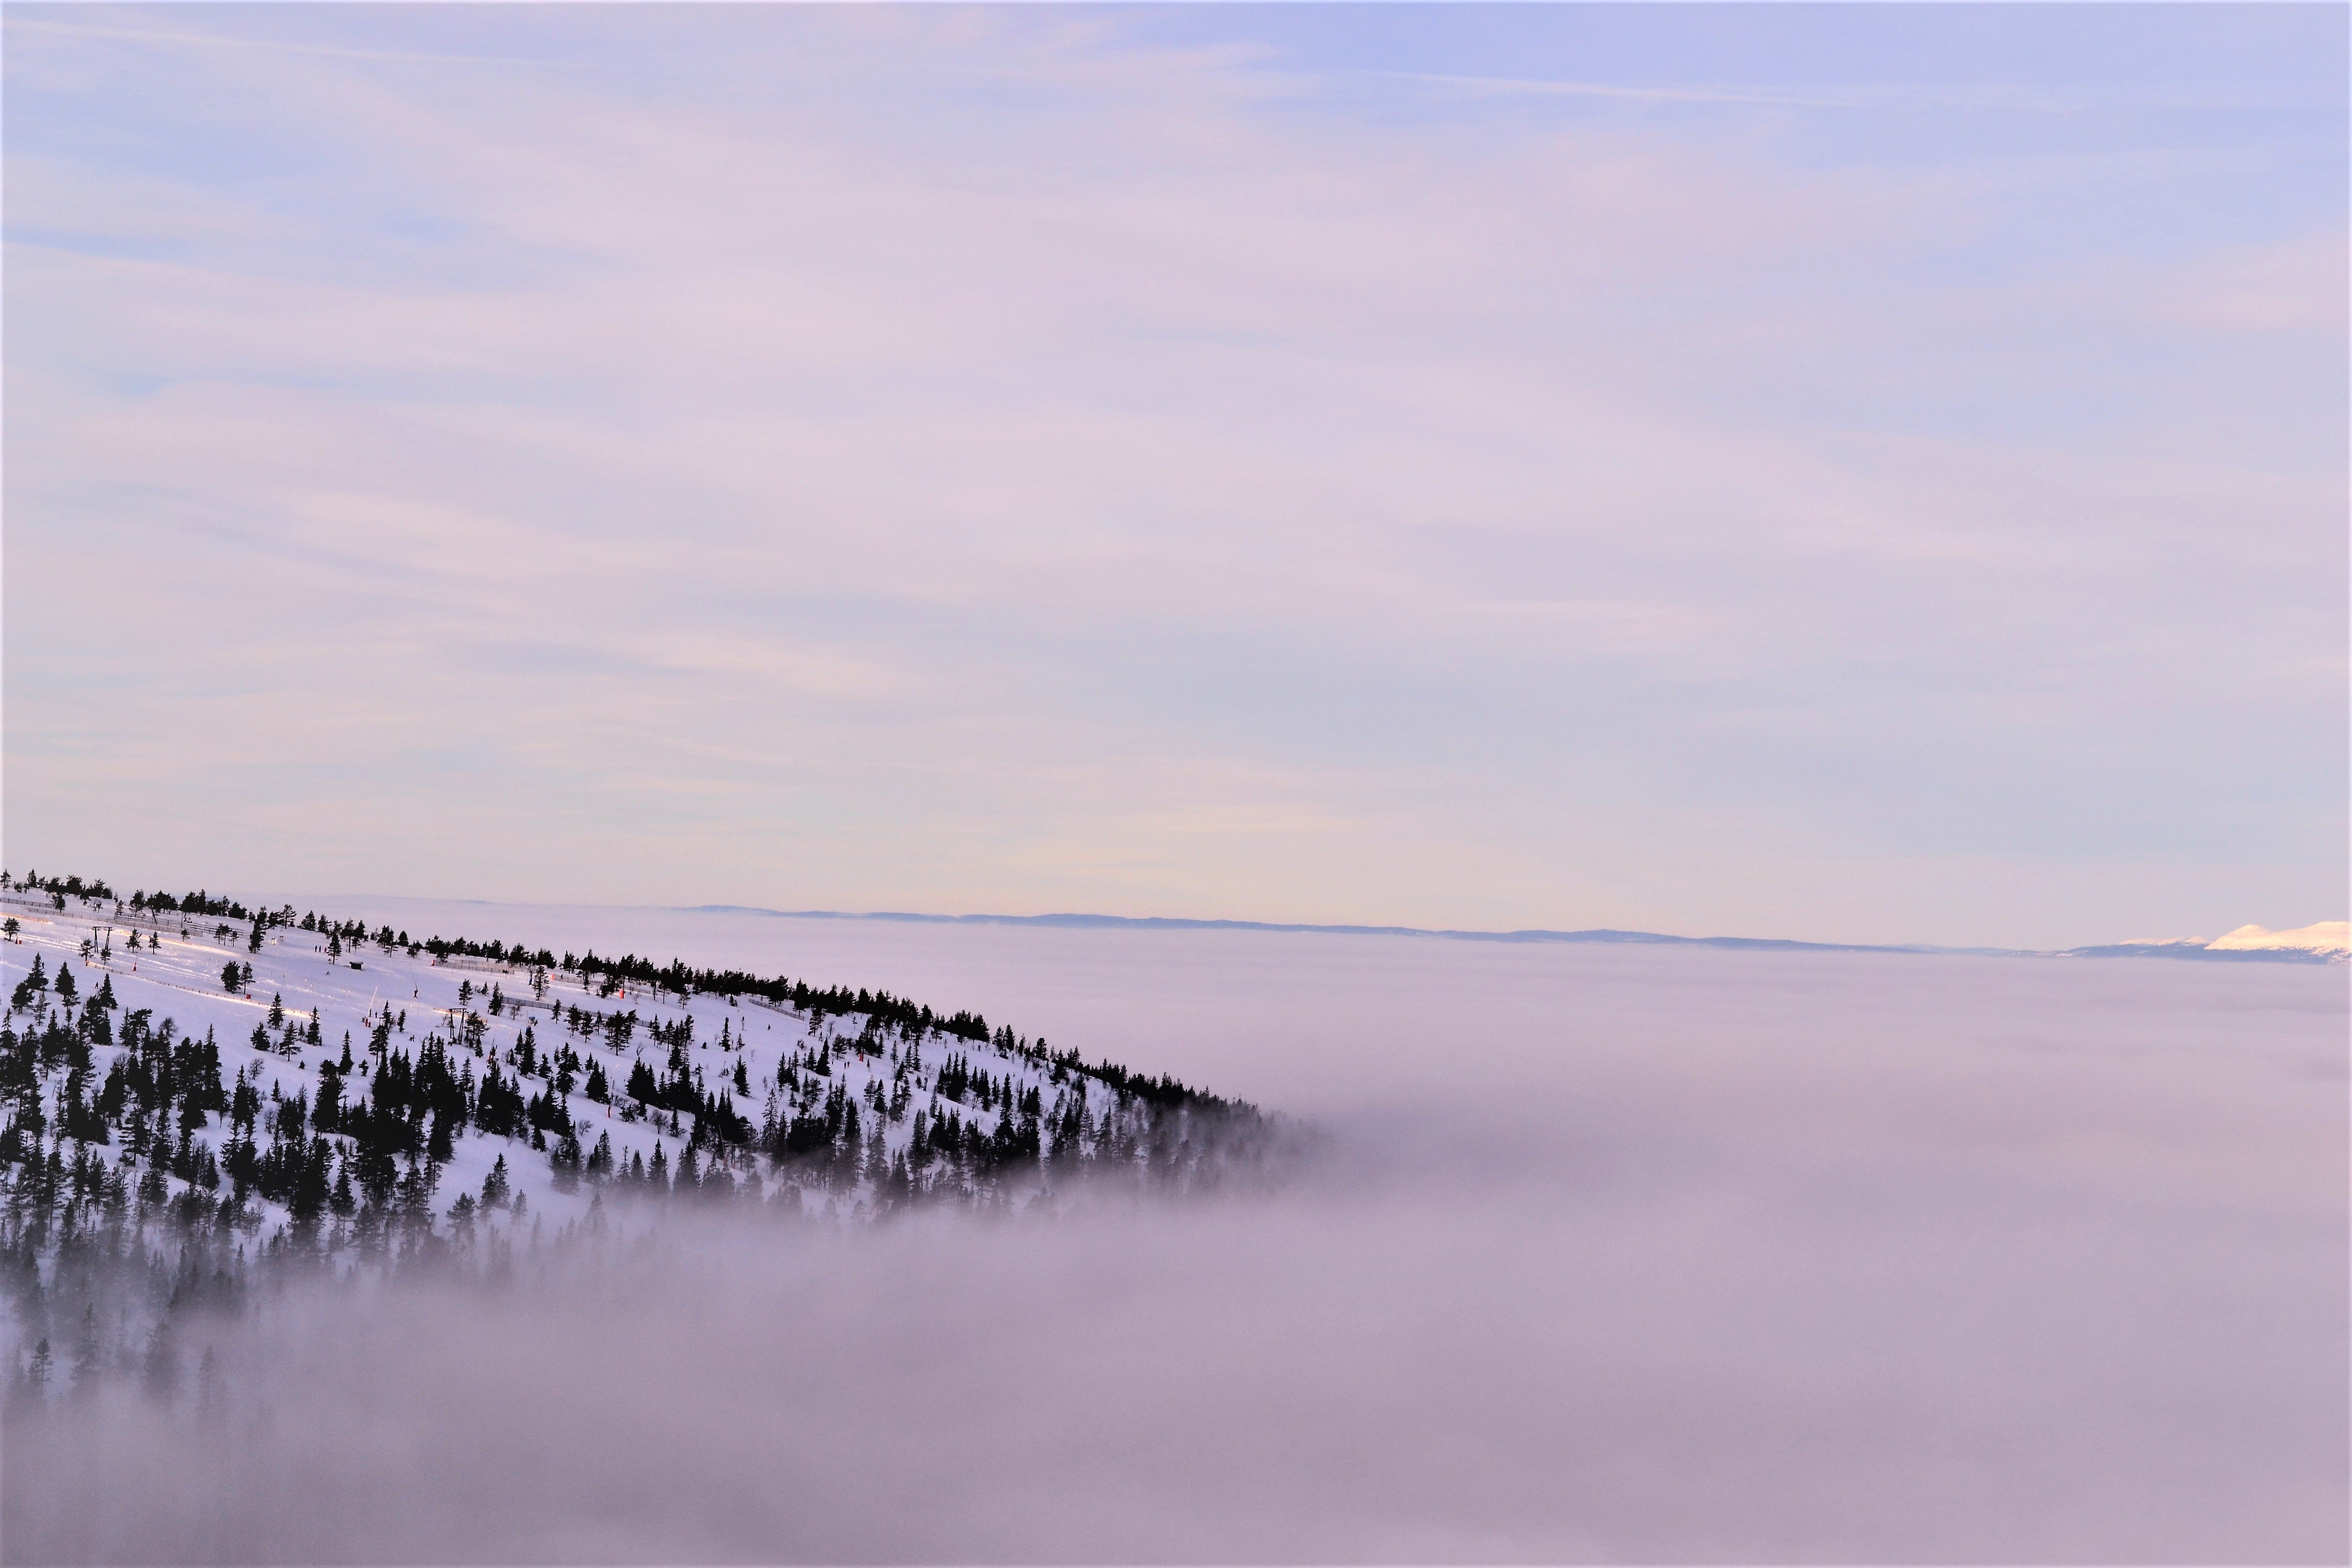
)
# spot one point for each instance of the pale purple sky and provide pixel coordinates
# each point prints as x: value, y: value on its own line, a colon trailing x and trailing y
x: 1865, y: 474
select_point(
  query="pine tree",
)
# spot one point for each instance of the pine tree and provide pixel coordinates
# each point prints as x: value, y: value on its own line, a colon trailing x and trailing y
x: 160, y: 1375
x: 28, y: 1393
x: 328, y: 1114
x: 208, y: 1387
x: 86, y: 1353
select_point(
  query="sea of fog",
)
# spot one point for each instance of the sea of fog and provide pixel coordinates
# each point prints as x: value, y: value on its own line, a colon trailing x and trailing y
x: 1606, y: 1253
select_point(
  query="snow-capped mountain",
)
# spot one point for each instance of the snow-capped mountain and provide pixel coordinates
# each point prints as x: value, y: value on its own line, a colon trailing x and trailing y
x: 2323, y: 936
x: 2328, y: 942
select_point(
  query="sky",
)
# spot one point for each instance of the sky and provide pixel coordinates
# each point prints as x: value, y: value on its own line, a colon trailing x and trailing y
x: 1859, y: 474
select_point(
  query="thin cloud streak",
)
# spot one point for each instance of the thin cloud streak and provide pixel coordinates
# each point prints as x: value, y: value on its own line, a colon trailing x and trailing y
x: 1775, y: 98
x: 273, y: 46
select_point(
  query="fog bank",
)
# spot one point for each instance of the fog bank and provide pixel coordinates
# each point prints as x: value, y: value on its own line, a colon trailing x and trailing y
x: 1611, y: 1255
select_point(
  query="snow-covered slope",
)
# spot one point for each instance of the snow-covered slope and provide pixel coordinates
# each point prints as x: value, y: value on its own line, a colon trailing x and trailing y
x: 2324, y: 936
x: 280, y: 1074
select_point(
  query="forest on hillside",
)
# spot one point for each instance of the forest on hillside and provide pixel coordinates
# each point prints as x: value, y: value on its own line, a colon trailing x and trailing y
x: 199, y: 1099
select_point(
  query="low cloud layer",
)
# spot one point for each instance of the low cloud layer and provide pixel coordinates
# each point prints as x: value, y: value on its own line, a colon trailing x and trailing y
x: 1610, y: 1256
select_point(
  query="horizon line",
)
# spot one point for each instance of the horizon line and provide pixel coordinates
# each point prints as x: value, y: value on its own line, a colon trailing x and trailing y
x: 1602, y: 936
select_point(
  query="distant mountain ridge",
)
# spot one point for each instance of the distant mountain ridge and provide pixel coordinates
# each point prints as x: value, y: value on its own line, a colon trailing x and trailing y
x: 2246, y: 944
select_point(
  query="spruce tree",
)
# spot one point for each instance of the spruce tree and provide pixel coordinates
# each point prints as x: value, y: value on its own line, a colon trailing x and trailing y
x: 86, y: 1353
x: 160, y: 1376
x: 38, y: 1375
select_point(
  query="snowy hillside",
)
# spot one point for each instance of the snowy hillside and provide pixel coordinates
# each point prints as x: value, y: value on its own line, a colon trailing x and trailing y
x: 283, y: 1080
